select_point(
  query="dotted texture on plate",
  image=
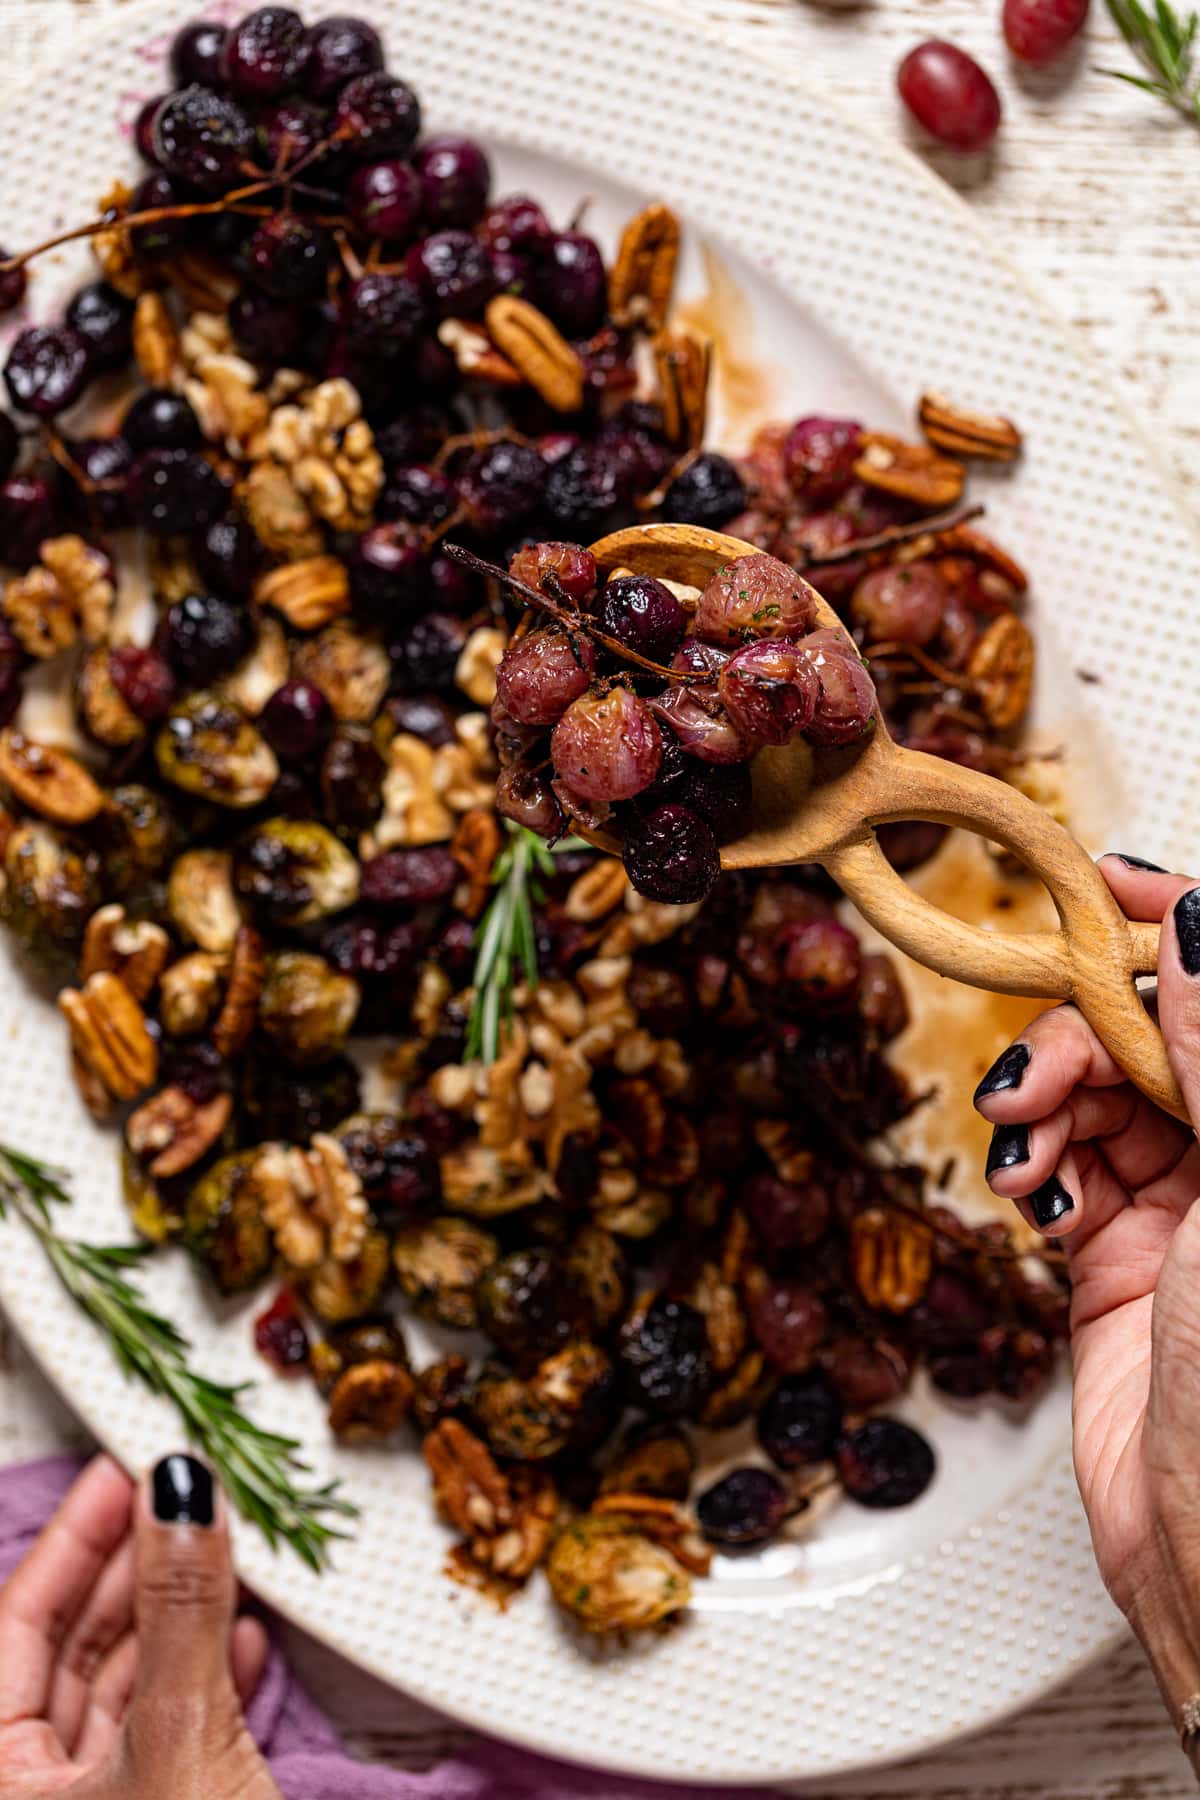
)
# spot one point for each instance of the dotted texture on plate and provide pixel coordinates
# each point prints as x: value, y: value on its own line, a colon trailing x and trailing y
x: 863, y: 239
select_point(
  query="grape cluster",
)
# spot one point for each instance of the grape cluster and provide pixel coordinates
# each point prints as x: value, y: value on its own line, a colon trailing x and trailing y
x: 652, y: 756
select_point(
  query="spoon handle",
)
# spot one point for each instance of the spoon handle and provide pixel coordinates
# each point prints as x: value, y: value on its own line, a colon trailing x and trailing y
x: 1093, y: 957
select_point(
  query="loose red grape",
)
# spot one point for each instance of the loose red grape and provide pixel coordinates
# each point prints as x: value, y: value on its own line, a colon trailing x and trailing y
x: 788, y: 1215
x: 788, y: 1320
x: 754, y: 597
x: 846, y: 703
x: 607, y: 746
x: 541, y: 673
x: 819, y: 456
x: 950, y: 95
x: 901, y: 604
x: 819, y: 961
x: 1038, y: 31
x: 770, y: 691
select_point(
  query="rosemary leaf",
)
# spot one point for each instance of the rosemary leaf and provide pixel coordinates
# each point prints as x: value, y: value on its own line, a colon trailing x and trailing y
x: 1164, y: 40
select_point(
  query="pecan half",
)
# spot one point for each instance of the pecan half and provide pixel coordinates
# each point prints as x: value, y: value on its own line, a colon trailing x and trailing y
x: 247, y: 973
x: 171, y: 1131
x: 115, y: 1055
x: 639, y: 288
x: 596, y: 893
x: 684, y: 365
x: 136, y: 950
x: 476, y: 355
x: 910, y: 471
x: 156, y: 346
x: 308, y: 593
x: 48, y: 781
x: 891, y: 1256
x: 474, y: 847
x: 967, y: 433
x: 370, y: 1401
x: 468, y: 1487
x: 1001, y: 668
x: 538, y: 350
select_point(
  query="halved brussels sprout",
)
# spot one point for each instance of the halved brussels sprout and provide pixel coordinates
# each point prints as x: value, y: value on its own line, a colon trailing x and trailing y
x: 341, y: 1291
x: 307, y: 1008
x: 154, y: 1218
x: 201, y: 901
x: 527, y: 1305
x: 138, y: 834
x: 51, y: 888
x: 596, y: 1266
x: 439, y: 1263
x: 209, y: 747
x: 293, y: 871
x: 370, y: 1401
x: 568, y: 1400
x: 224, y: 1226
x: 351, y: 668
x: 610, y: 1578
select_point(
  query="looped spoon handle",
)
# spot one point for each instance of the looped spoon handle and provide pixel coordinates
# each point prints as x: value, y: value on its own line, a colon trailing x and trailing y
x: 824, y: 806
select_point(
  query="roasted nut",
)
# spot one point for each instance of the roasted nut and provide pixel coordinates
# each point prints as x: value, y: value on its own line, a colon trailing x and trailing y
x: 965, y: 540
x: 468, y: 1487
x: 201, y: 899
x: 312, y: 1202
x: 134, y: 949
x: 474, y: 847
x: 329, y: 453
x: 643, y: 275
x: 156, y: 346
x: 538, y: 350
x: 247, y: 973
x: 370, y: 1402
x: 85, y: 578
x: 281, y: 518
x: 205, y: 284
x: 658, y: 1460
x: 209, y: 747
x: 475, y: 354
x: 340, y: 1291
x: 105, y: 713
x: 966, y: 433
x: 891, y: 1256
x: 611, y: 1578
x: 684, y: 365
x: 109, y: 1040
x: 351, y: 669
x: 223, y: 393
x: 1001, y: 668
x: 413, y: 813
x: 910, y: 471
x: 475, y: 673
x: 190, y: 992
x: 48, y: 781
x: 171, y: 1132
x: 261, y: 672
x: 308, y: 593
x: 42, y: 618
x: 596, y: 893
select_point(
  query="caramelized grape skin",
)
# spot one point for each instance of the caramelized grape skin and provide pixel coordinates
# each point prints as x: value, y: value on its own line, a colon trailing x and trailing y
x: 754, y: 597
x: 607, y: 746
x: 770, y: 691
x: 643, y: 615
x: 541, y: 673
x: 846, y: 701
x: 573, y: 569
x: 950, y: 95
x: 1038, y: 31
x: 702, y: 725
x: 900, y: 604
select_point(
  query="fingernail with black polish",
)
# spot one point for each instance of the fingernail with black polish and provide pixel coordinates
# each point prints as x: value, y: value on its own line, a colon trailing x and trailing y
x: 1187, y: 930
x: 1139, y: 862
x: 183, y: 1491
x: 1009, y: 1146
x: 1050, y: 1202
x: 1008, y: 1071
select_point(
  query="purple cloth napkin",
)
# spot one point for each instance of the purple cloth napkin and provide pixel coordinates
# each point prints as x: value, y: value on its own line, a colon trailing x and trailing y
x: 306, y: 1756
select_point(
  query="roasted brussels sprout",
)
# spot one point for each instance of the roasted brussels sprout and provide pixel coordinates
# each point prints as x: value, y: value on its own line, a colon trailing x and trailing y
x: 442, y: 1387
x: 201, y: 901
x: 341, y: 1291
x: 307, y: 1008
x: 370, y: 1401
x: 50, y: 889
x: 209, y: 747
x: 294, y: 871
x: 596, y: 1267
x: 293, y: 1104
x: 665, y: 1355
x: 223, y: 1224
x: 137, y: 834
x: 439, y: 1264
x: 151, y: 1204
x: 610, y: 1578
x: 398, y: 1170
x: 527, y: 1305
x: 369, y: 1340
x: 657, y: 1459
x: 568, y: 1399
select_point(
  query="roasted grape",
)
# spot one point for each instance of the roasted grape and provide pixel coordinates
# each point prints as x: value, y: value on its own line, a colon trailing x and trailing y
x: 754, y: 597
x: 607, y: 746
x: 672, y: 856
x: 801, y: 1422
x: 541, y: 674
x: 744, y: 1508
x: 885, y: 1463
x: 770, y: 691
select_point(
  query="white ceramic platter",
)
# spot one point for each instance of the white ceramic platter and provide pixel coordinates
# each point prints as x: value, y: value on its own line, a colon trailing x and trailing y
x: 865, y: 280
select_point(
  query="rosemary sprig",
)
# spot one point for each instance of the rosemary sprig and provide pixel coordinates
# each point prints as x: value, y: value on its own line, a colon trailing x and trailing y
x: 258, y: 1468
x: 1165, y: 41
x: 506, y: 949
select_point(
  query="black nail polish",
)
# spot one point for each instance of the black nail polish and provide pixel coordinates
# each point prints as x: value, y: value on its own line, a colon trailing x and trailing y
x: 1007, y: 1071
x: 1050, y: 1202
x: 183, y: 1491
x: 1009, y: 1146
x: 1139, y: 862
x: 1187, y: 930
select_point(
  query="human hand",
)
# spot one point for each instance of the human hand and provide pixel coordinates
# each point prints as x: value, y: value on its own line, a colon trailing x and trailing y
x: 1093, y: 1163
x: 123, y: 1673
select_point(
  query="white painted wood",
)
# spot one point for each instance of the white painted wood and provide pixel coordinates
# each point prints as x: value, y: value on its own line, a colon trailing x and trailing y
x: 1081, y: 161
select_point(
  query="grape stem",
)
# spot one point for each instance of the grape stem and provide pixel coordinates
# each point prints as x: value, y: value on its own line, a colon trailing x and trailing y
x: 894, y: 534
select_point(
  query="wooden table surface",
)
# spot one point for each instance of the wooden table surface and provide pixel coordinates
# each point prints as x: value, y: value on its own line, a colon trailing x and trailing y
x: 1080, y: 157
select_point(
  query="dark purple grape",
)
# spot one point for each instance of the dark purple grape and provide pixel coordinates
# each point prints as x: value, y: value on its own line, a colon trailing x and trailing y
x: 289, y: 131
x: 203, y: 138
x: 672, y: 856
x: 367, y: 948
x: 387, y: 572
x: 423, y: 716
x: 196, y: 53
x: 643, y: 615
x: 419, y: 494
x: 708, y: 492
x: 398, y: 1171
x: 963, y: 1372
x: 339, y: 50
x: 455, y: 178
x: 376, y: 116
x: 525, y: 796
x: 166, y: 236
x: 280, y: 1337
x: 385, y: 200
x: 642, y: 456
x: 414, y: 436
x: 13, y: 284
x: 143, y: 680
x: 582, y: 489
x: 264, y: 55
x: 104, y: 462
x: 453, y: 271
x: 451, y: 587
x: 382, y: 315
x: 885, y: 1463
x: 228, y: 556
x: 820, y: 962
x: 607, y: 746
x: 801, y: 1422
x: 665, y: 1358
x: 409, y: 877
x: 10, y: 446
x: 788, y: 1215
x: 297, y: 720
x: 104, y: 319
x: 289, y: 257
x: 516, y: 223
x: 204, y: 637
x: 161, y: 420
x: 573, y: 284
x: 28, y: 513
x: 426, y: 656
x: 13, y: 663
x: 818, y: 458
x: 175, y: 492
x: 720, y: 794
x: 542, y: 672
x: 770, y: 690
x: 47, y: 369
x: 744, y: 1508
x: 788, y: 1320
x: 269, y: 331
x: 501, y: 486
x: 351, y: 779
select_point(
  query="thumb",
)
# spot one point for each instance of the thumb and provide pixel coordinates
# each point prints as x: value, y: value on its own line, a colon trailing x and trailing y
x: 186, y: 1592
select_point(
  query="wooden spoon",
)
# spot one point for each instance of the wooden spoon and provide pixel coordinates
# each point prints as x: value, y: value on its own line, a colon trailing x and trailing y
x: 823, y: 806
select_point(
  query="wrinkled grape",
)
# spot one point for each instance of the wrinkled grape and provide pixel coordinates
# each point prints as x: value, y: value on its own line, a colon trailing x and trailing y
x: 801, y: 1421
x: 672, y: 856
x: 541, y: 673
x: 607, y: 746
x: 745, y: 1507
x: 885, y: 1463
x: 770, y: 691
x: 754, y: 597
x: 702, y: 725
x: 818, y: 458
x: 846, y: 702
